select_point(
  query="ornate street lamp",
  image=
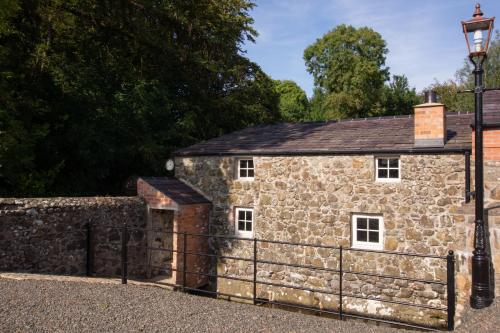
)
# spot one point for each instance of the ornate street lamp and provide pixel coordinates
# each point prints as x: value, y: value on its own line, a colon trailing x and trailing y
x: 477, y: 35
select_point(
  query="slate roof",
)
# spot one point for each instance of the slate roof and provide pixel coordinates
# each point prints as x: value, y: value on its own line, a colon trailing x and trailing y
x: 491, y: 101
x: 335, y: 137
x: 368, y: 135
x: 176, y: 190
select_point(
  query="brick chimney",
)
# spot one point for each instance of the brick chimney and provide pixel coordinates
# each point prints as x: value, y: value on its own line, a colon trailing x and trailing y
x: 430, y: 122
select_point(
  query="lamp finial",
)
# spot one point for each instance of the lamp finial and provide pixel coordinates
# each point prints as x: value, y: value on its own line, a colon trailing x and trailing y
x: 478, y: 11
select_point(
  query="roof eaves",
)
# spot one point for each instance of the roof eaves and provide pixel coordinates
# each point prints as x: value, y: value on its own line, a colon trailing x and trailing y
x: 315, y: 152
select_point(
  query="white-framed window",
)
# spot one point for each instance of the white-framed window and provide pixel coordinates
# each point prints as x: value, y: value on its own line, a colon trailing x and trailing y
x: 387, y: 169
x: 367, y: 232
x: 245, y: 169
x: 244, y: 225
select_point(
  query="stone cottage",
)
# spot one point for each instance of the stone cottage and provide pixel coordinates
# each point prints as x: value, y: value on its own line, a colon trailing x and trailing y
x: 389, y: 183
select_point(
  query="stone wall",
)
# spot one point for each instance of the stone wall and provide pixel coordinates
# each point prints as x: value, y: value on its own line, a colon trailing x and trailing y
x: 311, y: 199
x: 492, y: 216
x: 48, y: 235
x: 464, y: 221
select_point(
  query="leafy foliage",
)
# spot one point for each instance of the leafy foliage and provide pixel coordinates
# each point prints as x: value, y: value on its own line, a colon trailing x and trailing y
x: 491, y: 67
x: 448, y: 91
x: 449, y: 94
x: 348, y: 66
x: 397, y: 97
x: 94, y: 92
x: 317, y: 111
x: 294, y: 105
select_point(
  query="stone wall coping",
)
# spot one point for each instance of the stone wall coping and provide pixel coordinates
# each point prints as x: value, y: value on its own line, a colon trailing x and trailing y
x: 16, y: 205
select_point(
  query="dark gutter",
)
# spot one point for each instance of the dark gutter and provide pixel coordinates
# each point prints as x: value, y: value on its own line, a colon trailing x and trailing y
x: 416, y: 151
x: 491, y: 125
x: 488, y: 125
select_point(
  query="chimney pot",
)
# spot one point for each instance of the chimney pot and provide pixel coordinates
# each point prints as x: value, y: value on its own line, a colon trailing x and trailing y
x: 430, y: 96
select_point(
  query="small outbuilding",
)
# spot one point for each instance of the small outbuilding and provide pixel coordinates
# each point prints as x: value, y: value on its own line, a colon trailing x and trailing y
x: 176, y: 213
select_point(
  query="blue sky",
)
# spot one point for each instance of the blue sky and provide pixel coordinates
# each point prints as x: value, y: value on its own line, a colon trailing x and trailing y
x: 424, y: 37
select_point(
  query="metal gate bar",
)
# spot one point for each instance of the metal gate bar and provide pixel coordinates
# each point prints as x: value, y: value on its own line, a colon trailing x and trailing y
x: 449, y: 283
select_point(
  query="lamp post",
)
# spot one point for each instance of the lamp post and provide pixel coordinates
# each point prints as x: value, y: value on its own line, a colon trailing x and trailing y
x: 474, y: 30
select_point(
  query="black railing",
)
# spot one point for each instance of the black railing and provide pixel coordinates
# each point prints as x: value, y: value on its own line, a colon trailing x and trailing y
x: 88, y: 249
x: 255, y: 261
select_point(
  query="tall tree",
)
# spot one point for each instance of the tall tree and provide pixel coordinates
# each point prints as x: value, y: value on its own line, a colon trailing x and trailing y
x: 398, y: 97
x: 93, y: 92
x: 294, y: 105
x: 317, y: 107
x: 348, y: 66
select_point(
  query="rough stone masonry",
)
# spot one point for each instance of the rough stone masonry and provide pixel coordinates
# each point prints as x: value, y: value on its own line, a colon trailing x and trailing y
x: 301, y: 199
x: 48, y: 235
x: 295, y: 197
x: 311, y: 179
x: 310, y: 199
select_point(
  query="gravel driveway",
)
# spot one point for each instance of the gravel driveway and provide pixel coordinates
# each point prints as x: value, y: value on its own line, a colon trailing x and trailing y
x: 55, y: 306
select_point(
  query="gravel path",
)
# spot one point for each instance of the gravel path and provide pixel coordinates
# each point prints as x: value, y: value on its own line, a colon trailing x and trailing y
x: 55, y: 306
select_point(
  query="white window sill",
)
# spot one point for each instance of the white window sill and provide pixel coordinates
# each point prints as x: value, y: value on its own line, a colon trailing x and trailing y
x: 368, y: 246
x: 246, y: 179
x: 388, y: 180
x: 243, y: 234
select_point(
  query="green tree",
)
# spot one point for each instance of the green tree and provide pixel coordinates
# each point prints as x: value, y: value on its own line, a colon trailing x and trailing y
x: 464, y: 76
x: 7, y: 10
x: 348, y: 66
x: 294, y: 105
x: 316, y: 105
x: 451, y: 92
x: 93, y: 92
x: 397, y: 97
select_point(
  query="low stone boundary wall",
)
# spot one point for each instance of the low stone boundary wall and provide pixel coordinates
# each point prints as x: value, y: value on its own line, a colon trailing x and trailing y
x: 408, y: 288
x: 48, y: 235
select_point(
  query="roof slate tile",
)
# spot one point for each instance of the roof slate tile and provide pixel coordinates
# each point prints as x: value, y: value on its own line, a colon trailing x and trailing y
x: 176, y: 190
x: 363, y: 135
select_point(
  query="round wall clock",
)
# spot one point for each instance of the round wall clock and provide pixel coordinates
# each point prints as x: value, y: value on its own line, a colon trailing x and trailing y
x: 170, y: 165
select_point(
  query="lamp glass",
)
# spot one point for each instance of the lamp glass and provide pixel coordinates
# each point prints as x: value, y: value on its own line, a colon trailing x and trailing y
x: 478, y: 40
x: 477, y: 34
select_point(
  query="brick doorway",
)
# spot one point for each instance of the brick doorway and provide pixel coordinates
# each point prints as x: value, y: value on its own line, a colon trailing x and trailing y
x: 176, y: 213
x: 161, y: 244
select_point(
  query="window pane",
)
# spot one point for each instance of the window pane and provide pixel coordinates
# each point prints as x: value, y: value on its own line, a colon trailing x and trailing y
x: 382, y: 163
x: 250, y: 173
x: 241, y: 215
x: 373, y: 236
x: 373, y: 224
x: 394, y: 173
x: 243, y: 164
x: 250, y: 164
x: 248, y: 215
x: 393, y: 162
x: 249, y: 226
x: 382, y: 173
x: 362, y: 236
x: 361, y: 223
x: 241, y: 225
x: 243, y: 173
